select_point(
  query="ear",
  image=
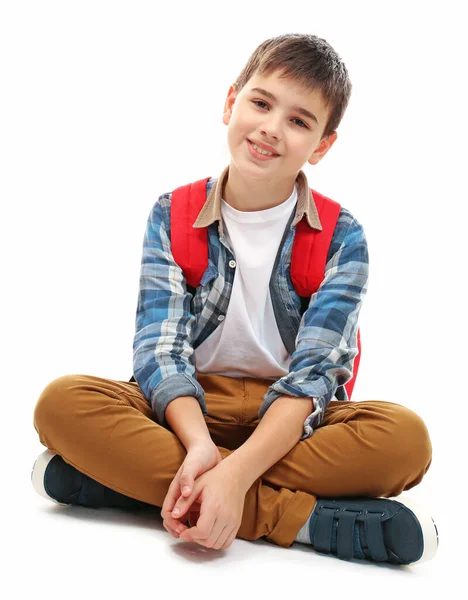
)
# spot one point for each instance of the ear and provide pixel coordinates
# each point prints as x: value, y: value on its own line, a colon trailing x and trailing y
x: 322, y: 148
x: 228, y: 105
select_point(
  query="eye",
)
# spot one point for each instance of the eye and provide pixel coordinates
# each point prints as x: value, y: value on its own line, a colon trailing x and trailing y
x: 303, y: 124
x: 257, y: 102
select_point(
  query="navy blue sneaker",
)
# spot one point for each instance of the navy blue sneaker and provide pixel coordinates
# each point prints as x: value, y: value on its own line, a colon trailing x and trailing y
x: 397, y: 531
x: 56, y: 480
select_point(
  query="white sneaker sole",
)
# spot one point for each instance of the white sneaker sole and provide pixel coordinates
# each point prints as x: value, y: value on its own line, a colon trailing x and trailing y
x: 37, y: 475
x: 428, y: 526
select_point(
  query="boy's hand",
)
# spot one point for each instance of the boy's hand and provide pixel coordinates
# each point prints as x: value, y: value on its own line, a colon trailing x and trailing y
x: 200, y: 458
x: 219, y: 497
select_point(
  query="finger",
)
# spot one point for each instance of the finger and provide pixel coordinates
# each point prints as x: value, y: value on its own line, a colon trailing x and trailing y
x: 175, y: 523
x: 183, y: 504
x: 186, y: 483
x: 189, y: 520
x: 231, y: 538
x: 222, y: 539
x: 171, y: 497
x: 218, y: 530
x: 176, y: 530
x: 166, y: 505
x: 211, y: 540
x: 205, y: 524
x: 181, y: 507
x: 192, y: 468
x: 173, y: 532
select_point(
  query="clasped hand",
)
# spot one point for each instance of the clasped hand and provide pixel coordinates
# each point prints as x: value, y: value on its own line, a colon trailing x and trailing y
x: 220, y: 497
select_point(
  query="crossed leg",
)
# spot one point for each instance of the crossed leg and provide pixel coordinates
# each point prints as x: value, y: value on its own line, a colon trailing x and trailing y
x: 104, y: 428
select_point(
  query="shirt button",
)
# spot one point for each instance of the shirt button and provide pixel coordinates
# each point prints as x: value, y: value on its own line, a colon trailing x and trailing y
x: 232, y: 263
x: 221, y: 318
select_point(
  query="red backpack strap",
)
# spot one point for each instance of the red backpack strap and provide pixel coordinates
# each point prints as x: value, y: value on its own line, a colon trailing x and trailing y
x: 310, y: 247
x: 189, y: 244
x: 309, y: 258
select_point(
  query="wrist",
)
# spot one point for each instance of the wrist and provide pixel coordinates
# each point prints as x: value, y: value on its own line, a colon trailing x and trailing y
x: 238, y: 470
x: 279, y: 430
x: 197, y: 441
x: 184, y: 416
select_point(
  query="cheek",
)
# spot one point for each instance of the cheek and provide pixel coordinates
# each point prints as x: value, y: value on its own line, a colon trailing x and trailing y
x: 238, y: 130
x: 301, y: 145
x: 242, y: 124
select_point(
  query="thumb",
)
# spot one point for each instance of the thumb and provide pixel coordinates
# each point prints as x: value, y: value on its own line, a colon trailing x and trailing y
x: 184, y: 504
x: 186, y: 483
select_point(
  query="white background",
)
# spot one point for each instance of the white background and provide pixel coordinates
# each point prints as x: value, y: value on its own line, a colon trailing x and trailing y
x: 107, y: 105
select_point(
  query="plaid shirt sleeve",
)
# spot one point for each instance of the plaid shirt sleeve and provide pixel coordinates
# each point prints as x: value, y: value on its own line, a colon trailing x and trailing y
x: 163, y: 356
x: 326, y: 343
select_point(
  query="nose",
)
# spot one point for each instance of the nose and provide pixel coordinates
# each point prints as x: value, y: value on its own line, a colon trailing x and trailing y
x: 267, y: 135
x: 271, y: 129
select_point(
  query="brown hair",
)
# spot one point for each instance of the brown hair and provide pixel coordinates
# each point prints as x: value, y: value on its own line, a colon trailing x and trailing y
x: 312, y: 62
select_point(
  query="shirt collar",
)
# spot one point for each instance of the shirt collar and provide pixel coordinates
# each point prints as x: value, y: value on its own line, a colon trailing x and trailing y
x: 211, y: 210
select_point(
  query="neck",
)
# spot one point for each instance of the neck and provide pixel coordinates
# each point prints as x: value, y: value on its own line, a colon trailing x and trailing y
x: 253, y: 194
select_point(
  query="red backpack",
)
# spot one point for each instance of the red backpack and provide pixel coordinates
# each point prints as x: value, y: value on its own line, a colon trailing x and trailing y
x: 309, y: 252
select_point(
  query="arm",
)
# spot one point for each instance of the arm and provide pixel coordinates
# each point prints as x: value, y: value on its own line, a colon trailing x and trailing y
x: 326, y: 343
x: 220, y: 492
x: 186, y: 420
x: 278, y: 432
x: 163, y: 361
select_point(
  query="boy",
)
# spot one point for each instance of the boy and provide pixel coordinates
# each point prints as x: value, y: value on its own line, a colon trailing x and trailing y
x: 237, y: 416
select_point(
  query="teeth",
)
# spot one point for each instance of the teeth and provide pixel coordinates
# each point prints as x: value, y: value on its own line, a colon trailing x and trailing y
x: 262, y: 151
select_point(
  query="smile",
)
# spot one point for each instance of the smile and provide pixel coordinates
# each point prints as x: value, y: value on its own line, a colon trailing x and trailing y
x: 259, y: 153
x: 262, y: 151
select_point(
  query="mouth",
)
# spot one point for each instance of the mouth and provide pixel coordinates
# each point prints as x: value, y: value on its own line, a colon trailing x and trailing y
x: 273, y: 155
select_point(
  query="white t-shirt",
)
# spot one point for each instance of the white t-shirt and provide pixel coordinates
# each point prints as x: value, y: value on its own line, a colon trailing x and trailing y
x: 247, y: 343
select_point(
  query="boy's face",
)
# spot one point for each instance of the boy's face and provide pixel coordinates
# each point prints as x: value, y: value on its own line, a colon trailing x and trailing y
x: 294, y: 136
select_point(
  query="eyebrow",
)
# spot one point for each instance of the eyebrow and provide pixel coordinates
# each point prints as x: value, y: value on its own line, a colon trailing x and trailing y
x: 303, y: 111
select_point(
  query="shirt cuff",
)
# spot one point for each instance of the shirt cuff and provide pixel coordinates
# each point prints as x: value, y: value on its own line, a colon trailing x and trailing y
x: 313, y: 420
x: 174, y: 387
x: 317, y: 389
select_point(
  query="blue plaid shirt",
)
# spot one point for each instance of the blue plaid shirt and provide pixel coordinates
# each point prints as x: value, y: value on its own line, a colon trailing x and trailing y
x: 171, y: 323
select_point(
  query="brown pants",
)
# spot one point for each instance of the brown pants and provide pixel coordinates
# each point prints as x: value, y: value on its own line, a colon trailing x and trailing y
x: 106, y: 430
